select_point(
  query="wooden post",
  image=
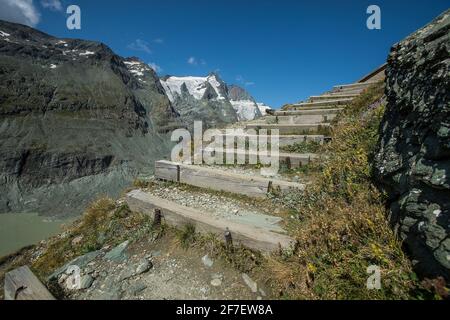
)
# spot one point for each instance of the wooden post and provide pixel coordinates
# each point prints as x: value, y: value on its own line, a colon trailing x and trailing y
x: 157, y: 218
x: 270, y: 187
x: 288, y: 163
x: 228, y: 238
x: 22, y: 284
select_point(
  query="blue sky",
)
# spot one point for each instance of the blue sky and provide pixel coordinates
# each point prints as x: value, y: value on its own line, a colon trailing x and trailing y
x: 281, y: 51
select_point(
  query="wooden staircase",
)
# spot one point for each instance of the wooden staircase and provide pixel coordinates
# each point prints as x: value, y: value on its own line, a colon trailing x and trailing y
x: 307, y: 121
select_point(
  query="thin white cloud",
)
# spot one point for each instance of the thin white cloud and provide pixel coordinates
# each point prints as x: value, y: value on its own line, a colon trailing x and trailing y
x: 155, y: 67
x: 244, y: 82
x: 54, y: 5
x: 158, y: 40
x: 140, y: 45
x: 20, y: 11
x: 192, y: 61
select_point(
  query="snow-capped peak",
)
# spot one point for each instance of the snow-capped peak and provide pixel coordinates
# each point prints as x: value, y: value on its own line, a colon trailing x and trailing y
x: 210, y: 88
x: 263, y: 108
x: 137, y: 68
x: 243, y: 103
x: 196, y: 86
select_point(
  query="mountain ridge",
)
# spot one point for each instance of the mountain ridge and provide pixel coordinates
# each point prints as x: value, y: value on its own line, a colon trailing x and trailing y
x: 77, y: 120
x: 209, y: 93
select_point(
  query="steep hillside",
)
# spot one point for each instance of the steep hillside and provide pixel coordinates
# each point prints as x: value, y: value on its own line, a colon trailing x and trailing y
x: 76, y: 120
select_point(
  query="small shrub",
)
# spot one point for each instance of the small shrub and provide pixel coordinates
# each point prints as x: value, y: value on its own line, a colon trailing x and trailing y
x: 186, y: 236
x: 302, y: 147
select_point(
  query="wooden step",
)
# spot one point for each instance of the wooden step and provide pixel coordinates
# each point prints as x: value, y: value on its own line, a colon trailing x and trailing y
x: 205, y: 223
x: 220, y: 180
x: 22, y: 284
x: 376, y: 75
x: 307, y: 112
x: 294, y: 107
x: 357, y: 91
x: 335, y: 102
x: 338, y: 93
x: 300, y: 119
x: 332, y: 97
x: 286, y: 140
x: 294, y: 159
x: 305, y: 128
x: 359, y: 85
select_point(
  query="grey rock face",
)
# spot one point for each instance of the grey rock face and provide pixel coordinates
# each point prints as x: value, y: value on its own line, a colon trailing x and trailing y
x: 213, y: 113
x: 212, y: 107
x: 119, y: 253
x: 80, y: 262
x: 207, y: 261
x: 76, y: 121
x: 143, y: 266
x: 413, y: 160
x: 86, y: 282
x: 237, y: 93
x: 250, y: 283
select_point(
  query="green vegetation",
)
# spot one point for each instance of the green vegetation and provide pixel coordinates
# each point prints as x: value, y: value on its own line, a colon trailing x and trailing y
x: 186, y: 236
x: 302, y: 147
x: 104, y: 223
x: 342, y: 227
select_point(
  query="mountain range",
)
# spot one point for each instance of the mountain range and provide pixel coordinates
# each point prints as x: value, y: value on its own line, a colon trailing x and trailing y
x: 78, y: 120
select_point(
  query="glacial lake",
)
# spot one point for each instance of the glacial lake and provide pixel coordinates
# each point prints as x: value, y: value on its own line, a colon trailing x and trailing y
x: 18, y: 230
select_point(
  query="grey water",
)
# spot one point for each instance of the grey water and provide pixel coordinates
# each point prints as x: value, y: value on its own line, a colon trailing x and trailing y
x: 18, y: 230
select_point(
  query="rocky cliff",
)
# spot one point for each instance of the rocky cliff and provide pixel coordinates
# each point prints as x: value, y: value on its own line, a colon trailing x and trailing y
x: 76, y: 121
x: 413, y: 160
x: 243, y: 103
x: 200, y: 99
x: 209, y: 99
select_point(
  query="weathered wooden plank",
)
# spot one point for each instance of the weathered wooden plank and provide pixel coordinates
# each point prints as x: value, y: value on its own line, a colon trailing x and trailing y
x: 332, y: 97
x: 289, y: 128
x: 166, y: 170
x: 335, y: 102
x: 356, y: 88
x: 307, y: 112
x: 22, y: 284
x: 220, y: 180
x: 286, y: 140
x: 358, y: 85
x: 296, y: 107
x: 206, y: 223
x: 376, y: 75
x: 296, y: 159
x: 300, y: 119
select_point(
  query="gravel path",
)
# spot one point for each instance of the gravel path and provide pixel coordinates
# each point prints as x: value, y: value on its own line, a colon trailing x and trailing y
x: 217, y: 205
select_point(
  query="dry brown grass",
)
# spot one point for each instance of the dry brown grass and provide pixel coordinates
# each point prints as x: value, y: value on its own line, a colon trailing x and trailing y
x: 342, y: 228
x: 103, y: 223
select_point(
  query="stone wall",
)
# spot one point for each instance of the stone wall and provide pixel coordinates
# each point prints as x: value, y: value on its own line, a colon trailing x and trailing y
x: 413, y: 160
